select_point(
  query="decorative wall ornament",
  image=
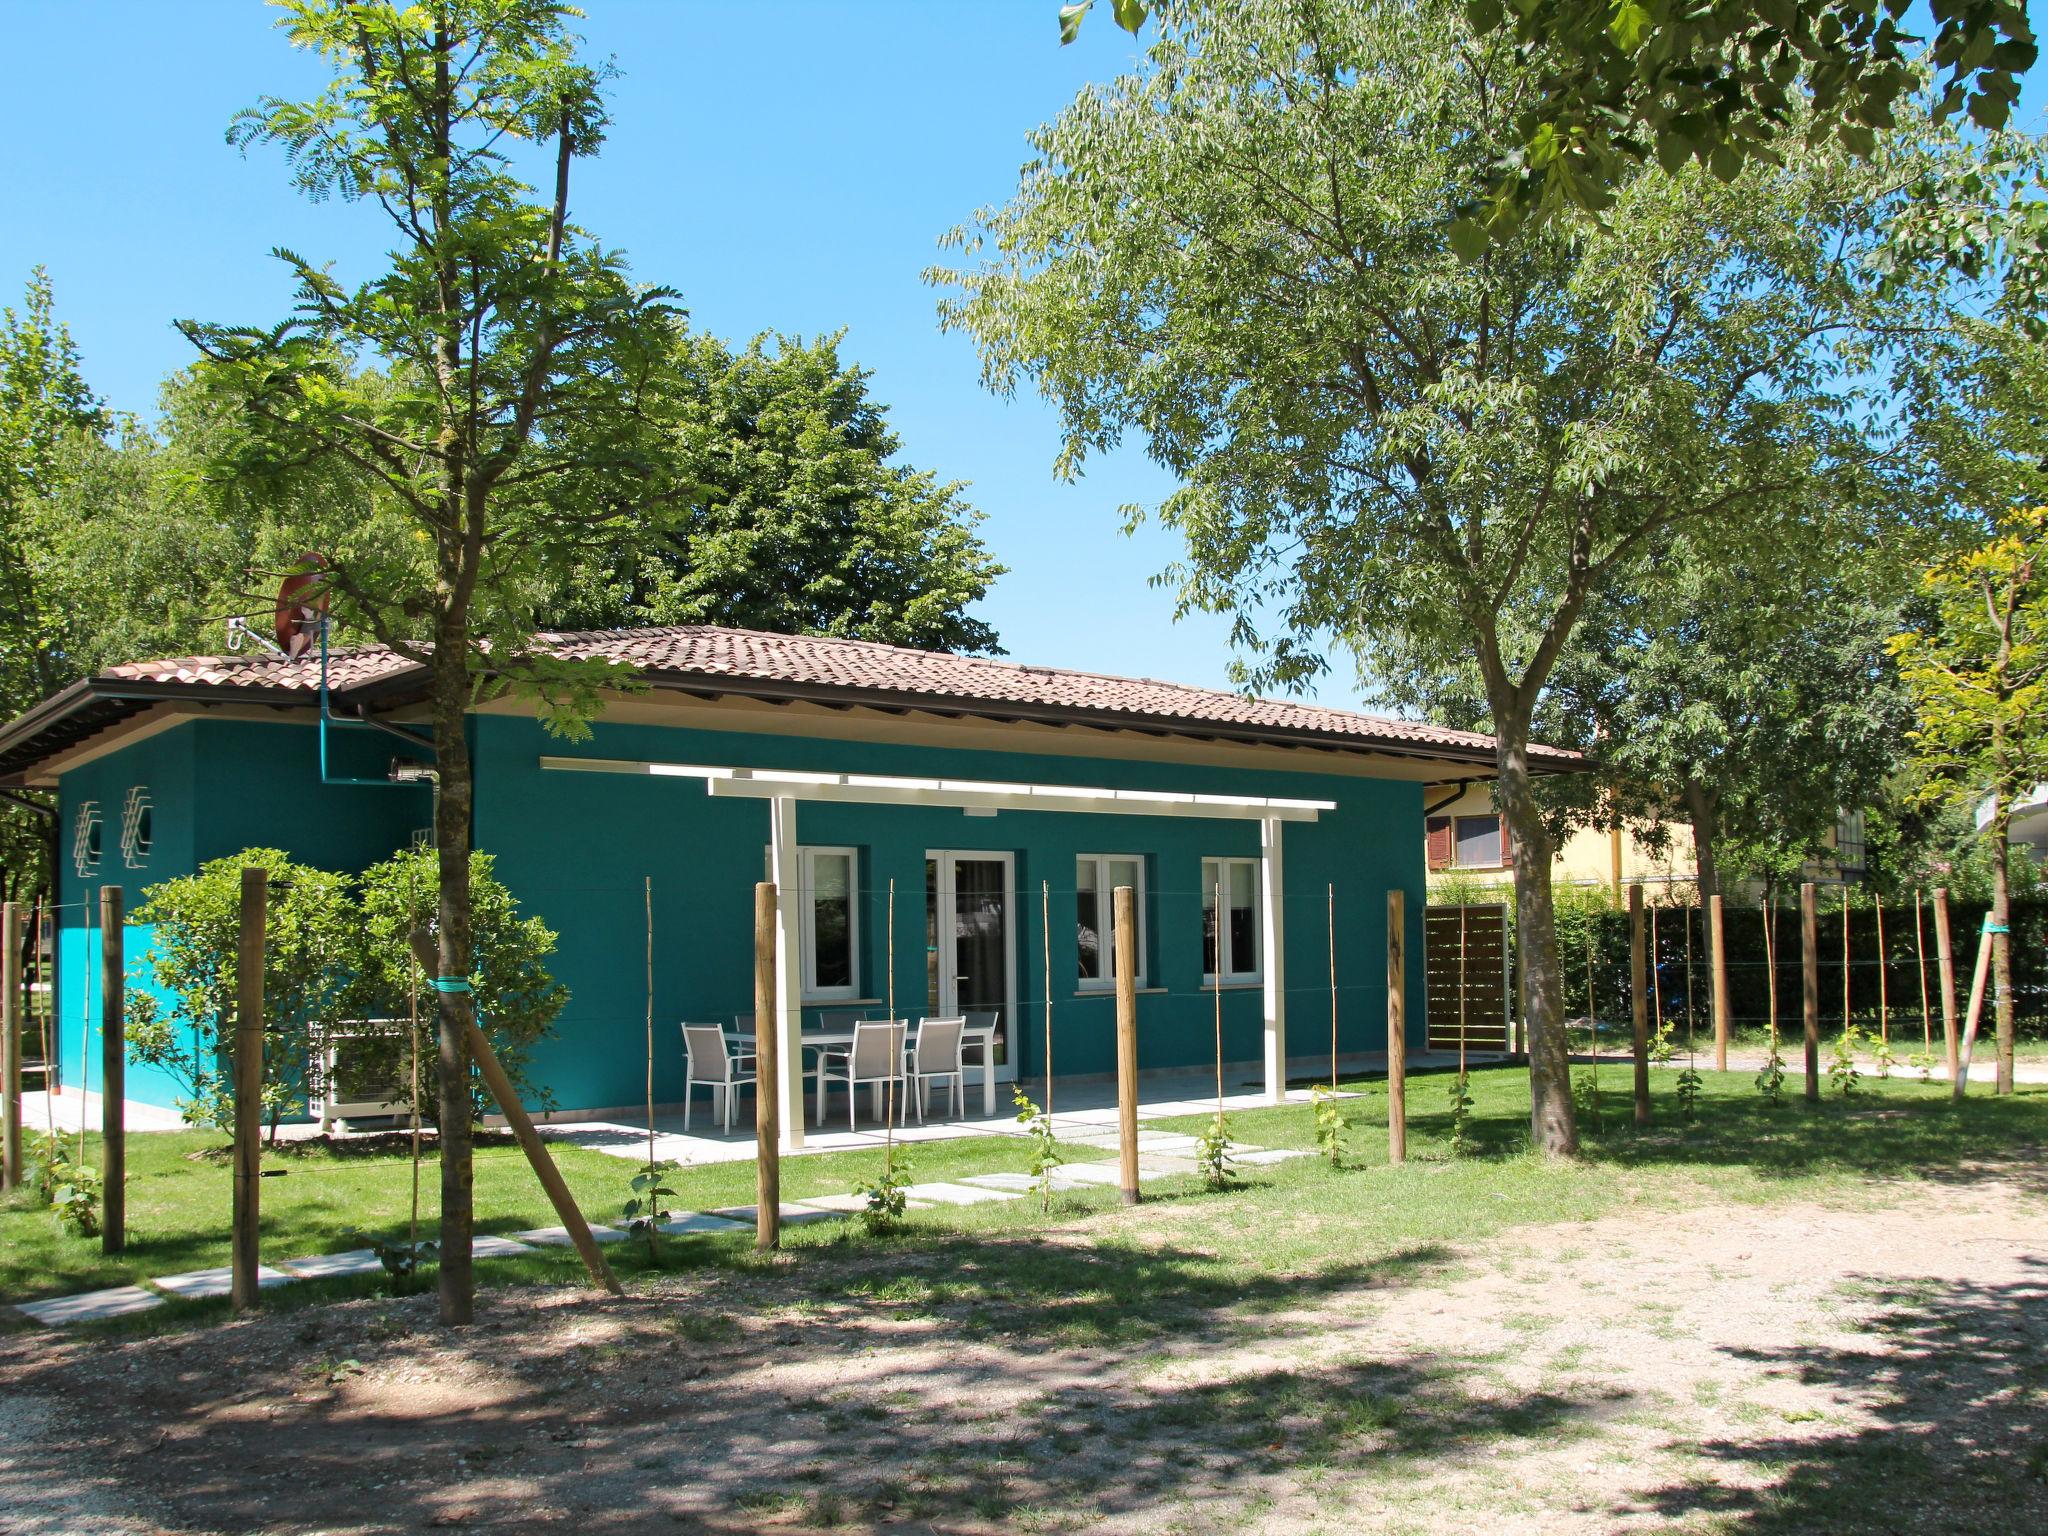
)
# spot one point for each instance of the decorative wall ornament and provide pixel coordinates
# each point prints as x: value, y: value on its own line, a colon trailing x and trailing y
x: 137, y: 827
x: 86, y: 829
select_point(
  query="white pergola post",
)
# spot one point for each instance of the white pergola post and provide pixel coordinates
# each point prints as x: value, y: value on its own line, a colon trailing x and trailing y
x: 1273, y: 936
x: 789, y: 1089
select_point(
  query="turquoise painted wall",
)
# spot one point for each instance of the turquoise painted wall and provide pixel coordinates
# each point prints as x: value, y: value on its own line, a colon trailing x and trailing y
x: 577, y: 847
x: 216, y: 787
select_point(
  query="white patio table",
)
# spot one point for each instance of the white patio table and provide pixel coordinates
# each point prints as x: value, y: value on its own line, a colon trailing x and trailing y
x: 822, y: 1038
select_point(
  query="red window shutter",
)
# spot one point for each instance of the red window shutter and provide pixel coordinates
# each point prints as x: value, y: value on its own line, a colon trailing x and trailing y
x: 1507, y: 843
x: 1438, y: 842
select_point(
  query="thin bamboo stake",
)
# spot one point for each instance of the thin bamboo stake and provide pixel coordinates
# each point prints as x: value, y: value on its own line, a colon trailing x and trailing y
x: 1461, y: 989
x: 114, y: 1074
x: 412, y: 1004
x: 1216, y: 991
x: 768, y: 1044
x: 1688, y: 980
x: 249, y: 1089
x: 1845, y: 960
x: 1045, y: 946
x: 1920, y: 964
x: 1123, y: 906
x: 649, y: 879
x: 1771, y: 969
x: 10, y: 1046
x: 1884, y: 995
x: 85, y: 1025
x: 896, y: 1045
x: 1331, y: 899
x: 45, y: 1015
x: 1397, y: 1027
x: 1656, y: 982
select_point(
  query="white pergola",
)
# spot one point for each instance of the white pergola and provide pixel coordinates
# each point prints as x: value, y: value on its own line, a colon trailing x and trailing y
x: 783, y: 789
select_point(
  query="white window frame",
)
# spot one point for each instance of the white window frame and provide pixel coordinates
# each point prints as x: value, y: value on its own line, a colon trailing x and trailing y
x: 807, y: 857
x: 1216, y: 871
x: 1500, y: 840
x: 1105, y: 898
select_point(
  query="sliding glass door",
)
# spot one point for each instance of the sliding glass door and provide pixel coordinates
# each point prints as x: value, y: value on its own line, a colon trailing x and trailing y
x: 970, y: 941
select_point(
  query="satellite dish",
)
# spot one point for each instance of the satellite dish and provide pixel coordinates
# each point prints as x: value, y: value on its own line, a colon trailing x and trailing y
x: 302, y: 606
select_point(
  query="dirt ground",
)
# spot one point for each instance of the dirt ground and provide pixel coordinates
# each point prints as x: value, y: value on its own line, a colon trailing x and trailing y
x: 1785, y: 1367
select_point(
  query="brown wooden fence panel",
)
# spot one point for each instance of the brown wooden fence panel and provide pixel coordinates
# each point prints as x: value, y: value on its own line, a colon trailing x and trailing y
x: 1484, y: 973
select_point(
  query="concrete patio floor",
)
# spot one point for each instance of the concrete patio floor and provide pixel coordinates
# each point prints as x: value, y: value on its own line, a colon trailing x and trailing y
x: 1084, y: 1110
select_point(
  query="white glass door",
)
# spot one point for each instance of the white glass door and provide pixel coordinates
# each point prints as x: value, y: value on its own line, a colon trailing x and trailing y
x: 971, y: 943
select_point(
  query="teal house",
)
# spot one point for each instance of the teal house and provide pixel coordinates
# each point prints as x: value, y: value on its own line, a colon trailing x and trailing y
x: 945, y: 833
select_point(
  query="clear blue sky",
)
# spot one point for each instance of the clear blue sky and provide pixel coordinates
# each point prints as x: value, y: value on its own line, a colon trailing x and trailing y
x: 785, y: 164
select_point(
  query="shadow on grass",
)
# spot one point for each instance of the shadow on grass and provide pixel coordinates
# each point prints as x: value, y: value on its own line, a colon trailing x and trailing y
x: 717, y: 1412
x: 1956, y: 1379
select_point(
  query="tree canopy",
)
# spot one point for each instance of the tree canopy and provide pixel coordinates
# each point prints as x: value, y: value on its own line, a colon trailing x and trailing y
x: 1236, y: 253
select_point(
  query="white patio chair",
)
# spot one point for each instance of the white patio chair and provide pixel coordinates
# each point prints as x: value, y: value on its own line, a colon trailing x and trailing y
x: 935, y: 1058
x: 985, y: 1048
x: 832, y: 1058
x: 713, y: 1064
x: 815, y: 1063
x: 876, y: 1059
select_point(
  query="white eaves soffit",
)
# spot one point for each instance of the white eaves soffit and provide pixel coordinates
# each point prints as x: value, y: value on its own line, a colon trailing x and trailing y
x: 961, y: 794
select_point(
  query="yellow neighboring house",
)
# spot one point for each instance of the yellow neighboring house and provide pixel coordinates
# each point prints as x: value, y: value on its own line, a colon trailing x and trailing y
x: 1467, y: 838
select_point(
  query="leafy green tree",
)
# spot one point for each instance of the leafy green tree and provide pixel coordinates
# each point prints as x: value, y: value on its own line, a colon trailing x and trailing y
x: 517, y: 999
x: 309, y: 959
x: 1979, y: 676
x: 44, y: 404
x: 790, y: 515
x: 1237, y: 253
x: 1728, y: 83
x: 500, y: 429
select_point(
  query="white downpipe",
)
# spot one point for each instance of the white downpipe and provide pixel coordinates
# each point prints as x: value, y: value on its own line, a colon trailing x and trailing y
x: 789, y: 1088
x: 1273, y: 937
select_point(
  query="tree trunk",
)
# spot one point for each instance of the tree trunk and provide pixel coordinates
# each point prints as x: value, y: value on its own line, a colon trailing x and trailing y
x: 2001, y: 945
x: 1703, y: 811
x: 451, y: 836
x: 1552, y: 1128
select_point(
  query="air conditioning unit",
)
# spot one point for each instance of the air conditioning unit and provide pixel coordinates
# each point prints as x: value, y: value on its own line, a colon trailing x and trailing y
x: 368, y: 1073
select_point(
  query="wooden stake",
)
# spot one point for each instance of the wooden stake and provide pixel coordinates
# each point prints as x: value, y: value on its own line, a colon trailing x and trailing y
x: 243, y: 1287
x: 767, y: 1054
x: 896, y: 1045
x: 10, y: 1046
x: 427, y: 955
x: 1846, y: 1015
x: 1809, y: 986
x: 1397, y: 1027
x: 1977, y: 981
x: 1717, y: 942
x: 114, y: 1074
x: 47, y: 1015
x: 1945, y: 952
x: 1124, y: 906
x: 1920, y: 964
x: 1639, y: 1004
x: 1884, y: 993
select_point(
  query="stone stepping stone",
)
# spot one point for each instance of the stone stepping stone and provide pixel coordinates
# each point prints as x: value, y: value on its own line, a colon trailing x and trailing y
x: 792, y: 1215
x: 851, y: 1205
x: 1078, y: 1174
x: 484, y: 1247
x: 1165, y: 1167
x: 692, y: 1221
x: 322, y: 1266
x: 216, y: 1282
x: 558, y: 1237
x: 1017, y: 1183
x: 1268, y: 1154
x: 942, y: 1193
x: 90, y: 1306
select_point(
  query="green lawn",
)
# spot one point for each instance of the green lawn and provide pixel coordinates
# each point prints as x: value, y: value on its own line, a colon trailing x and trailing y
x: 1283, y: 1222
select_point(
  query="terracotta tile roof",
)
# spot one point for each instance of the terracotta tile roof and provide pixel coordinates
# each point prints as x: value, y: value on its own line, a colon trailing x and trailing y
x: 861, y: 671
